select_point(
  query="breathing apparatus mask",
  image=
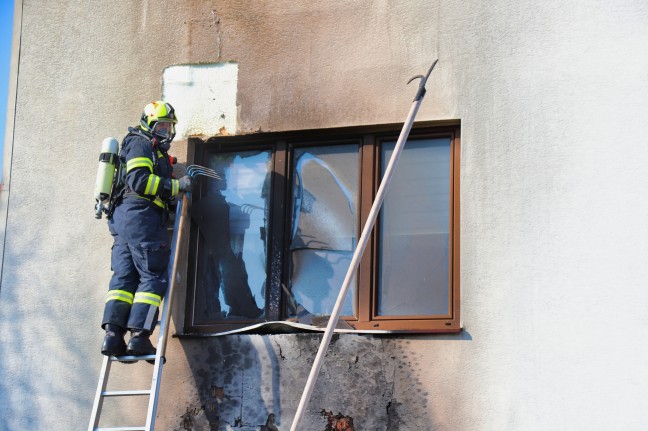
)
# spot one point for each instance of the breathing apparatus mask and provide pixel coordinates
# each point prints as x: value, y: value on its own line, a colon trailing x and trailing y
x: 163, y: 132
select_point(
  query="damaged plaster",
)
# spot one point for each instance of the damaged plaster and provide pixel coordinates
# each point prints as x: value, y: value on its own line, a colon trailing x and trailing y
x: 337, y: 422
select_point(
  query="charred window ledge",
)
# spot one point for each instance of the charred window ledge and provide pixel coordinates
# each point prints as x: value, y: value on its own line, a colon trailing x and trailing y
x: 281, y: 328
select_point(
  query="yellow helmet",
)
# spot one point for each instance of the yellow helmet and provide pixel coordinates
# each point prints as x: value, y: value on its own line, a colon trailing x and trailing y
x: 156, y: 112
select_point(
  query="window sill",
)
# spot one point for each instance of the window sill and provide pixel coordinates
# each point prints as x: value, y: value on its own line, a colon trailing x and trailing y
x: 287, y: 327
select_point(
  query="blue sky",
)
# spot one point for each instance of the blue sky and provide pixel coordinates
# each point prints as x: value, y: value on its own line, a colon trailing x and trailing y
x: 6, y: 28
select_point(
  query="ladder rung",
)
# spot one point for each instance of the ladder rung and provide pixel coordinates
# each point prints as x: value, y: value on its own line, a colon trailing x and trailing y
x: 126, y: 393
x: 121, y: 429
x: 133, y: 358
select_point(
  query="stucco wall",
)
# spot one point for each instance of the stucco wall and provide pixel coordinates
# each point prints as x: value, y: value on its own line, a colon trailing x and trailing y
x: 552, y: 98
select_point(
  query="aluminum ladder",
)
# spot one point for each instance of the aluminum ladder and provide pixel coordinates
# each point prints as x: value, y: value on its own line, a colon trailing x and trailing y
x: 159, y: 358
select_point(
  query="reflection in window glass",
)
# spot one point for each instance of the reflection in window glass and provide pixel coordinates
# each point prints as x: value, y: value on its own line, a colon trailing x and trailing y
x: 232, y: 218
x: 414, y: 231
x: 324, y: 226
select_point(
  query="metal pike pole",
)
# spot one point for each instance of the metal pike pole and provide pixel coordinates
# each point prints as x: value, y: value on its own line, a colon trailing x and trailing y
x: 362, y: 243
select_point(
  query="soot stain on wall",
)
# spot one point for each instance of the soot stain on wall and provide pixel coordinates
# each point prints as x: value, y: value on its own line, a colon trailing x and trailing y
x: 254, y: 382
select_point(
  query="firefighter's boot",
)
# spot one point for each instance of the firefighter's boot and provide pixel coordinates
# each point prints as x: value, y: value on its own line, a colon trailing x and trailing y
x: 139, y: 343
x: 113, y: 343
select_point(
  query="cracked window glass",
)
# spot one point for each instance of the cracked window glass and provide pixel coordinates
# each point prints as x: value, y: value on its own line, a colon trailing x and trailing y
x: 324, y: 227
x: 232, y: 217
x: 414, y: 231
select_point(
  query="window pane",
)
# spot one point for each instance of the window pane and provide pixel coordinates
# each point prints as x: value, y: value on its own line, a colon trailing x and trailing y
x: 232, y: 219
x: 414, y: 231
x: 323, y: 229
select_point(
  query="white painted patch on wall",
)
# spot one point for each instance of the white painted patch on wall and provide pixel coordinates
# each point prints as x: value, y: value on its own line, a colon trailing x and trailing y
x: 204, y: 97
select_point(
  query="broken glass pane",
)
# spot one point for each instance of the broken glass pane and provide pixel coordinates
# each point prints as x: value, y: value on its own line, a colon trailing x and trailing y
x: 414, y: 231
x: 324, y: 226
x: 232, y: 217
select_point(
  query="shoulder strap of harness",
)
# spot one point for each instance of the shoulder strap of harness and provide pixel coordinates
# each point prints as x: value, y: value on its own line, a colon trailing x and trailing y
x: 119, y: 180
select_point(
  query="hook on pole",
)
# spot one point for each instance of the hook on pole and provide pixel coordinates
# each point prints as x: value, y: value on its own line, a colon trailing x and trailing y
x: 421, y: 90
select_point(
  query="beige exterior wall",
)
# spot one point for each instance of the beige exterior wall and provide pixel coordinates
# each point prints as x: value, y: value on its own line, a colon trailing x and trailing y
x: 552, y: 98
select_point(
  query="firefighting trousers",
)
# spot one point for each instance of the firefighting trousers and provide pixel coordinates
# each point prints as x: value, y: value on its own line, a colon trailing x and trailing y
x: 140, y: 258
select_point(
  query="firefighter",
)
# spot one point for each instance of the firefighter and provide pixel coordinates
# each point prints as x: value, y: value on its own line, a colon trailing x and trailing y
x: 140, y: 253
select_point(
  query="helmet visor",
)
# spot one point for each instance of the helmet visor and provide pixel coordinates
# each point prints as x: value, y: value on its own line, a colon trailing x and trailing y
x: 164, y: 129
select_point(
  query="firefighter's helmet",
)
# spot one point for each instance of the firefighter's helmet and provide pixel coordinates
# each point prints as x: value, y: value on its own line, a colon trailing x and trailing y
x: 159, y: 119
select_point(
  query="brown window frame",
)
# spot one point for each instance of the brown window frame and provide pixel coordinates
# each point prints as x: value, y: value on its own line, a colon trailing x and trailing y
x: 369, y: 140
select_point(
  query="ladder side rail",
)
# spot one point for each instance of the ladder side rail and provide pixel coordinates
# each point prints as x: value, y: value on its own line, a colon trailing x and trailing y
x: 101, y: 388
x: 181, y: 212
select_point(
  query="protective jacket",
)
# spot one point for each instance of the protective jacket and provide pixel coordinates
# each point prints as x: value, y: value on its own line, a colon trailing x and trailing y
x: 148, y: 170
x: 140, y: 253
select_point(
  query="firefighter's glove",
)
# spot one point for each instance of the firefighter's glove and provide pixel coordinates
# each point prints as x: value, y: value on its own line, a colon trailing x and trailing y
x: 185, y: 183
